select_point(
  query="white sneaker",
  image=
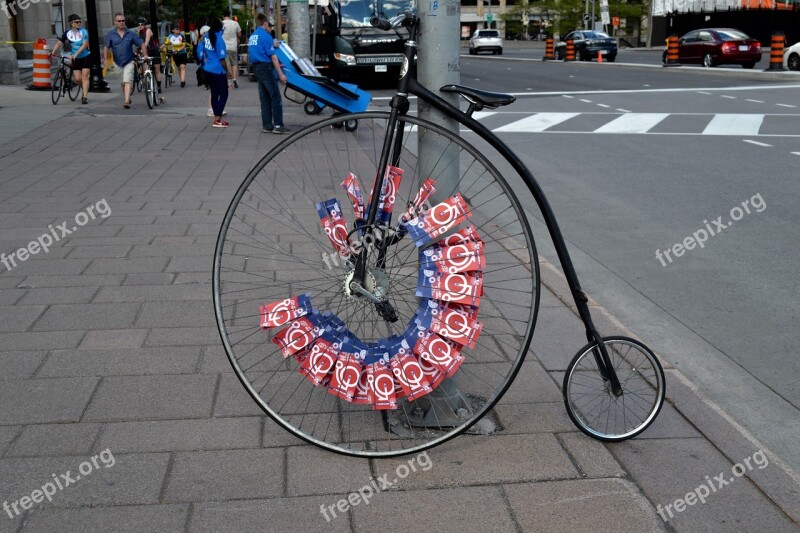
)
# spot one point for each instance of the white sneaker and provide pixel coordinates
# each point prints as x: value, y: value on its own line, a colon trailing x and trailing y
x: 210, y: 113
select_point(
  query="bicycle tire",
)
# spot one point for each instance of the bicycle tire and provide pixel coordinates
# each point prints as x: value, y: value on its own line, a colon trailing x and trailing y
x: 138, y: 78
x: 271, y: 247
x: 170, y: 69
x: 149, y: 89
x: 73, y: 88
x: 643, y: 388
x: 57, y: 87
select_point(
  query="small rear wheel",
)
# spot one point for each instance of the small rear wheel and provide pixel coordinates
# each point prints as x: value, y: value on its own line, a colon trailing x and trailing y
x: 351, y: 124
x: 311, y: 108
x: 593, y: 406
x: 58, y: 86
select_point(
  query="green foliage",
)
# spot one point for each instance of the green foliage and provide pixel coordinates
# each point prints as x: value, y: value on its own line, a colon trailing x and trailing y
x: 567, y: 15
x: 172, y: 10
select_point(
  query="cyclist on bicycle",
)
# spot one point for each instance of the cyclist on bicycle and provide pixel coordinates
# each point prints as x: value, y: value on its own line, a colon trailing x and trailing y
x: 78, y: 40
x: 180, y: 56
x: 151, y: 43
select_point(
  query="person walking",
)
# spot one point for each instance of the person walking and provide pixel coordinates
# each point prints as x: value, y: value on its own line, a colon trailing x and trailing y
x: 232, y: 34
x: 121, y: 42
x: 151, y: 42
x: 78, y: 39
x: 261, y: 53
x: 180, y: 56
x: 217, y: 71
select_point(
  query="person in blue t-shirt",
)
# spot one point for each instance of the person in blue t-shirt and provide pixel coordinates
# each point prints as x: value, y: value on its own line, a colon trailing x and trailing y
x: 261, y: 54
x: 78, y: 40
x: 217, y: 72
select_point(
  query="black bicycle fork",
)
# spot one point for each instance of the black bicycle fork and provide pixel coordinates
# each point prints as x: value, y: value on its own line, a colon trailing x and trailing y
x: 391, y: 148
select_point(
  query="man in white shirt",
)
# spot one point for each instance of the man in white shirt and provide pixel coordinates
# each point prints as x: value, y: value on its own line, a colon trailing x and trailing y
x: 231, y: 34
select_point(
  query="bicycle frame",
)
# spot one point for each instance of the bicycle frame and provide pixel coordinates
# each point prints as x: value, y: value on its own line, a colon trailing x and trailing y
x: 408, y: 84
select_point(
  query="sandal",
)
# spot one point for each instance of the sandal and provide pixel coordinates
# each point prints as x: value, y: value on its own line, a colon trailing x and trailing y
x: 126, y: 105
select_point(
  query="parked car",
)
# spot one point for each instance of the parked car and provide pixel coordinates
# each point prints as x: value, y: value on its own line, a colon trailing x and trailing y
x: 587, y: 45
x: 718, y: 46
x: 791, y: 57
x: 483, y: 40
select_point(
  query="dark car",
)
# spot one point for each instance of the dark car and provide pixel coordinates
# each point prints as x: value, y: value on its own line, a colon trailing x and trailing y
x: 588, y: 44
x: 718, y: 46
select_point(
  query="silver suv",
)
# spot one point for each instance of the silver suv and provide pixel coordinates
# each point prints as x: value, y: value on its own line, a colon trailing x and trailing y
x: 488, y: 40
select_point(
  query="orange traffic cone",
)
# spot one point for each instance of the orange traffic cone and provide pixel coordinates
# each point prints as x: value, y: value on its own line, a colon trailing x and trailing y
x: 599, y: 57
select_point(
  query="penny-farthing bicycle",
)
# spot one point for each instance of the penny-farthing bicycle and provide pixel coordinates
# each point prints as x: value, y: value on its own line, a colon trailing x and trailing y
x: 376, y: 290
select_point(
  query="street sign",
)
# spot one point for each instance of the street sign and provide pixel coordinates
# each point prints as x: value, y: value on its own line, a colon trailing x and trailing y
x: 489, y: 18
x: 604, y: 18
x: 615, y: 22
x: 586, y: 17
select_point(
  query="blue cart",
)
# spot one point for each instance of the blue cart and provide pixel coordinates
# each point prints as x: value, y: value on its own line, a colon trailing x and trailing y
x: 303, y: 77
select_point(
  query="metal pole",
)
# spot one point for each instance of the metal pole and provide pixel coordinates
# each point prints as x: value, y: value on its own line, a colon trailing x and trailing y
x: 297, y: 11
x: 96, y: 82
x: 438, y: 65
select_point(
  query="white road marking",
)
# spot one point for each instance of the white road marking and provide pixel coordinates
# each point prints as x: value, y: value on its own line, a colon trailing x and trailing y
x: 796, y: 153
x: 632, y: 123
x: 603, y: 105
x: 727, y: 96
x: 757, y: 143
x: 479, y: 115
x: 785, y: 105
x: 584, y: 100
x: 755, y: 101
x: 703, y: 92
x: 537, y: 122
x: 734, y: 125
x: 623, y: 110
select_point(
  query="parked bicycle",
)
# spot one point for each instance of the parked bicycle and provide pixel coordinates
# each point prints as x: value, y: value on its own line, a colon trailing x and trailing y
x: 63, y: 81
x: 401, y: 329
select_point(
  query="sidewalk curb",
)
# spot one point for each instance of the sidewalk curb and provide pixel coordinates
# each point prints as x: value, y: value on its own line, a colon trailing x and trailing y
x: 780, y: 485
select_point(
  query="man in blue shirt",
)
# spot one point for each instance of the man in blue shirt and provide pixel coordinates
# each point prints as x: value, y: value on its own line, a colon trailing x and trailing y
x: 121, y: 42
x: 261, y: 54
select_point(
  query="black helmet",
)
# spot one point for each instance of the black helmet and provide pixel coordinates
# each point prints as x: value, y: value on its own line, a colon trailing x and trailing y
x: 141, y: 20
x: 73, y: 17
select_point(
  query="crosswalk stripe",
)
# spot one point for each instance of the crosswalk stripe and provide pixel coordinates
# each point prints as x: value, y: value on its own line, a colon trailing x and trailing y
x: 632, y: 123
x: 733, y: 124
x: 537, y: 122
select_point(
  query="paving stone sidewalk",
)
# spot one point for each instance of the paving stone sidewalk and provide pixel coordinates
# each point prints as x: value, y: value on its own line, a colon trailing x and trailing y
x: 108, y: 343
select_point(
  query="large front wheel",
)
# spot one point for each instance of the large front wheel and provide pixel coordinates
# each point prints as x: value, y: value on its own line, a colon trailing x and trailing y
x: 424, y: 345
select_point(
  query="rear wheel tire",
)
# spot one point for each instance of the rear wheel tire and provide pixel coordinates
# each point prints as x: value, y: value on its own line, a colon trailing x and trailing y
x: 708, y: 61
x: 73, y: 88
x: 794, y: 62
x: 749, y: 64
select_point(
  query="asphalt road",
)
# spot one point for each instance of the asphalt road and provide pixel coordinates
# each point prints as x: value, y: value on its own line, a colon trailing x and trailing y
x: 636, y: 160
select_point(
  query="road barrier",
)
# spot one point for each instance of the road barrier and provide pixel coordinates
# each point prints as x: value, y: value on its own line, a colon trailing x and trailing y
x: 41, y: 67
x: 570, y: 52
x: 599, y: 56
x: 776, y: 51
x: 549, y: 52
x: 672, y: 52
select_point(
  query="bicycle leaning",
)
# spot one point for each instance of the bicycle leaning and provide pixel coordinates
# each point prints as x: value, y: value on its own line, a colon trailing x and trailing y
x: 63, y: 81
x: 401, y: 329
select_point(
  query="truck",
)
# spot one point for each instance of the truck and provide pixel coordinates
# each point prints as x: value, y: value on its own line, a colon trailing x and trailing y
x: 347, y: 47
